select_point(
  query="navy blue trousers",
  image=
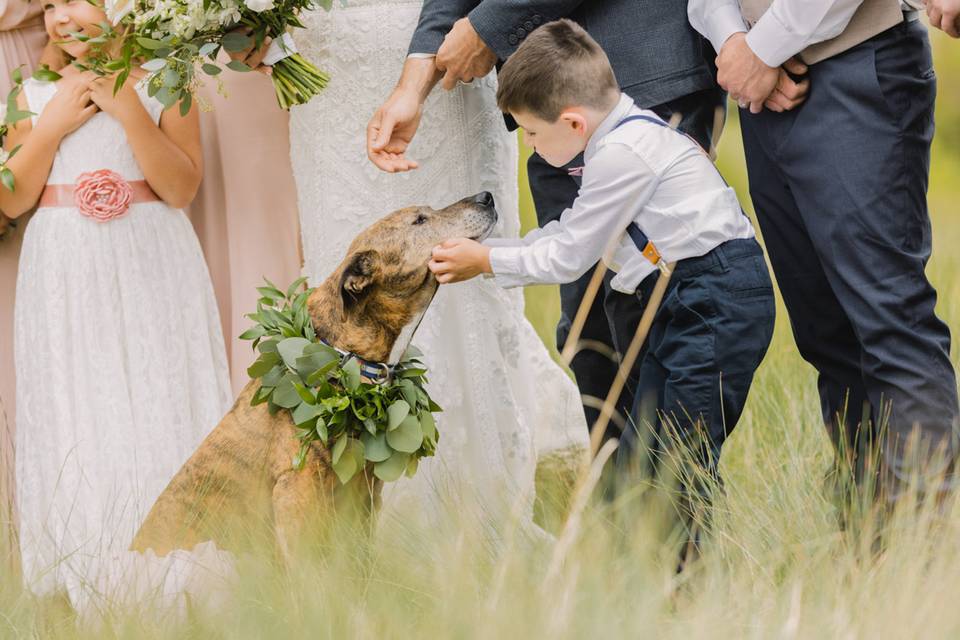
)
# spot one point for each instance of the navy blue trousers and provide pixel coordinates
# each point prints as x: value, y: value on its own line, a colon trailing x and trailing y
x: 839, y: 186
x: 709, y: 336
x: 613, y: 317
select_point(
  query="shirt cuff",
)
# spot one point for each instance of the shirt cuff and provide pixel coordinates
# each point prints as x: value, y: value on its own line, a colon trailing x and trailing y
x: 421, y: 56
x: 505, y: 264
x: 773, y: 42
x: 723, y: 23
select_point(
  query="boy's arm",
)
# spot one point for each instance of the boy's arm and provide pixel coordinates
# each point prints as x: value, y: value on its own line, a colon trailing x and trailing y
x: 617, y: 184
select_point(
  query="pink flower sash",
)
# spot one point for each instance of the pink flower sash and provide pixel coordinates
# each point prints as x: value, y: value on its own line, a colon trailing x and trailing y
x: 101, y: 195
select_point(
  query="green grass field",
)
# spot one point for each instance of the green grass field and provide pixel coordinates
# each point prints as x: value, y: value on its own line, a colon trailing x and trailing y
x: 778, y: 564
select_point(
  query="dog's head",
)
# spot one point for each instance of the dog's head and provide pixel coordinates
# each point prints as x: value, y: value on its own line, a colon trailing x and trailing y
x: 384, y: 281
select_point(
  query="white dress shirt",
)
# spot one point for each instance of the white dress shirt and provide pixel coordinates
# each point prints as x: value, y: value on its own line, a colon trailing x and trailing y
x: 787, y: 28
x: 641, y: 172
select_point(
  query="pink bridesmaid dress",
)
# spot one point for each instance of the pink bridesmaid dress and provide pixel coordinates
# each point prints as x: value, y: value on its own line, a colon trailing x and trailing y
x: 22, y: 38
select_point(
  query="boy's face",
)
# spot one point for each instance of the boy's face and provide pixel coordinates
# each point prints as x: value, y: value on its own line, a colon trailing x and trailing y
x: 63, y: 17
x: 556, y: 142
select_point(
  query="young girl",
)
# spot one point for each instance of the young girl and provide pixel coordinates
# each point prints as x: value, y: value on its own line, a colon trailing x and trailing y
x: 119, y: 354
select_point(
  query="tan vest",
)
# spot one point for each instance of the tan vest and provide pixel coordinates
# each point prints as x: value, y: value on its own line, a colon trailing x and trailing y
x: 871, y: 18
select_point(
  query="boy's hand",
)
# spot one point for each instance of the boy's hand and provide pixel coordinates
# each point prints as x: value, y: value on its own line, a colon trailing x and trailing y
x: 459, y: 259
x: 70, y: 106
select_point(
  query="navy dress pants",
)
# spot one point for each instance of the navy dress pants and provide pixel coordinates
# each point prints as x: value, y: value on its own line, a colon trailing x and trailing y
x: 839, y: 186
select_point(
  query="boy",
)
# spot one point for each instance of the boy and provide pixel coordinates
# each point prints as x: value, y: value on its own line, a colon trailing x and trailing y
x: 647, y: 191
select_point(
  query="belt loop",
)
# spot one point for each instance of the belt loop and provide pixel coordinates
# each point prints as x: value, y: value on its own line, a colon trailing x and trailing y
x: 722, y: 258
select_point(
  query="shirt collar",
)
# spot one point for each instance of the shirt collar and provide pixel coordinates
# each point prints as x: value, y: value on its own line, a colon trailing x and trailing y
x: 623, y: 107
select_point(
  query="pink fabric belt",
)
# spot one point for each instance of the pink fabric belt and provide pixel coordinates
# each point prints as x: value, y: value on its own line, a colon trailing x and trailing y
x: 102, y: 195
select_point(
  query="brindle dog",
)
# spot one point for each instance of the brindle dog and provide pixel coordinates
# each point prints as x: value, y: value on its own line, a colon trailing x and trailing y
x: 242, y: 473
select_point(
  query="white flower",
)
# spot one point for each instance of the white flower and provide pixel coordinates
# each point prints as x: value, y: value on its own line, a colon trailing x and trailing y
x: 117, y: 9
x: 259, y: 5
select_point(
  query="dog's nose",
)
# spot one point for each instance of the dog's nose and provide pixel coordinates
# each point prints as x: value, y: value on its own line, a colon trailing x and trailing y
x: 484, y: 199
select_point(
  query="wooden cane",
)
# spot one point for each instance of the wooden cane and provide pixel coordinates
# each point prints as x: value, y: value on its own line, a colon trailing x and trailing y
x: 633, y: 351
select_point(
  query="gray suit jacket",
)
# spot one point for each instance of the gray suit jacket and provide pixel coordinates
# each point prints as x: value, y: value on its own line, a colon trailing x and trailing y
x: 655, y: 53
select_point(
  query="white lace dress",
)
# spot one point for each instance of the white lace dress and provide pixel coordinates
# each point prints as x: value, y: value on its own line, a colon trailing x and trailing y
x: 121, y: 370
x: 505, y: 401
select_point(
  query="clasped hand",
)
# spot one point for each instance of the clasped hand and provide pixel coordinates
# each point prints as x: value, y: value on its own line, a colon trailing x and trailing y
x: 754, y: 84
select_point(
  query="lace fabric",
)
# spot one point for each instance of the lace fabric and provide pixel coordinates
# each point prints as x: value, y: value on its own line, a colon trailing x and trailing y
x: 505, y: 401
x: 120, y: 361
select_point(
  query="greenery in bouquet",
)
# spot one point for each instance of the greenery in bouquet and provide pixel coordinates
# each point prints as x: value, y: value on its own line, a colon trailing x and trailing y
x: 380, y: 427
x: 176, y: 38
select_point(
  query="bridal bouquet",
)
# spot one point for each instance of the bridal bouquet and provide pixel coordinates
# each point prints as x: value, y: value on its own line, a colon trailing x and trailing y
x: 176, y: 37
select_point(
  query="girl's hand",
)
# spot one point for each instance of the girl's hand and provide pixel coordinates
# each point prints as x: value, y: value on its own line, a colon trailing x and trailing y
x: 459, y: 259
x: 125, y: 102
x: 70, y: 106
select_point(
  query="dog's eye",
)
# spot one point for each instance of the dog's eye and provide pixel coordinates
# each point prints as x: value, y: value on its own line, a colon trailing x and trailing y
x: 420, y: 219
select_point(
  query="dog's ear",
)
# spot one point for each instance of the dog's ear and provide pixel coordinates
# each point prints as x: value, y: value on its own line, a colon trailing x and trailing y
x: 357, y: 277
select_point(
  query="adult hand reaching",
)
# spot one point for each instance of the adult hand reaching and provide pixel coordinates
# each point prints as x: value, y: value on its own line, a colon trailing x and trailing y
x: 393, y: 125
x: 745, y: 76
x: 391, y: 129
x: 464, y: 55
x: 945, y: 15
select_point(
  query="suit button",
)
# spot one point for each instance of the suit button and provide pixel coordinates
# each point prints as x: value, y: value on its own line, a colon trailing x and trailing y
x: 512, y: 39
x: 537, y: 19
x: 521, y: 33
x: 528, y: 25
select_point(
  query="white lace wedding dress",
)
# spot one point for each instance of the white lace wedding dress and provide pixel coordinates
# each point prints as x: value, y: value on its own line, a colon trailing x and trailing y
x: 505, y: 401
x: 121, y: 371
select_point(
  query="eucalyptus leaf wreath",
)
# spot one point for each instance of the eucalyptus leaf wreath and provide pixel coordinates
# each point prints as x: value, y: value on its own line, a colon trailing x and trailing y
x: 385, y: 426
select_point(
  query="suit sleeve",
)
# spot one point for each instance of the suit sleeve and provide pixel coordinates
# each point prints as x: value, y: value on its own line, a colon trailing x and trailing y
x: 503, y: 24
x: 436, y: 20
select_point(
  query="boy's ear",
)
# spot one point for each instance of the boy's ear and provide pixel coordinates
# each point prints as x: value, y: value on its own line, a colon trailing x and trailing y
x: 575, y: 120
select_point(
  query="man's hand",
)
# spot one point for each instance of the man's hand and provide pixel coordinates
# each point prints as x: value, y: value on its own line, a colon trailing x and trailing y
x: 464, y: 55
x: 789, y: 94
x: 392, y: 127
x: 745, y: 76
x: 945, y: 15
x: 460, y: 259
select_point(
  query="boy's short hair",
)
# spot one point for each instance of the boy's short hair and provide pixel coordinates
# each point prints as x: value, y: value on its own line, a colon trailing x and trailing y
x: 558, y: 66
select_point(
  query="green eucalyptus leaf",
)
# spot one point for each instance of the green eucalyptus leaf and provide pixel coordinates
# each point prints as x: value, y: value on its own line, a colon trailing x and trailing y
x: 351, y: 375
x: 396, y: 412
x: 338, y: 448
x: 263, y: 365
x: 409, y: 391
x: 407, y: 437
x: 305, y: 394
x: 253, y: 333
x: 305, y: 413
x: 429, y: 426
x: 412, y: 466
x: 275, y: 375
x: 236, y: 65
x: 285, y: 395
x: 375, y: 447
x: 154, y: 65
x: 392, y: 468
x: 291, y: 349
x: 235, y: 42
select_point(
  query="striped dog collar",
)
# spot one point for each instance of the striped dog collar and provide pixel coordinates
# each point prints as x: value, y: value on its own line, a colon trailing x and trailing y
x: 375, y: 372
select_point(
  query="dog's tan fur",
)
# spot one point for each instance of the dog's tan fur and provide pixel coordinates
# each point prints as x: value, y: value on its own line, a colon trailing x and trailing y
x: 242, y: 473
